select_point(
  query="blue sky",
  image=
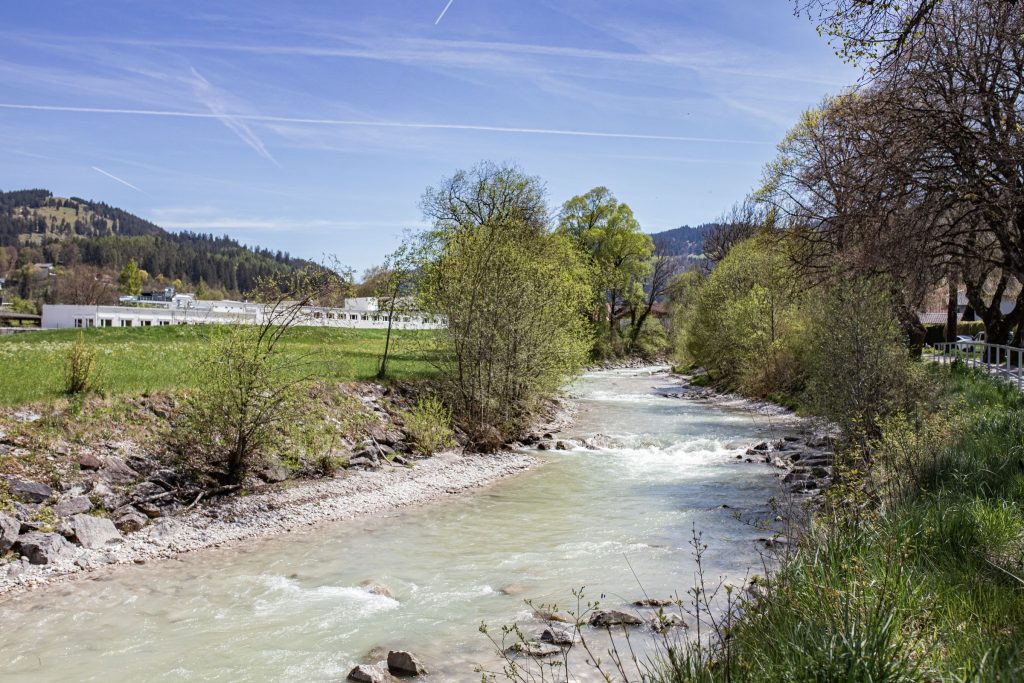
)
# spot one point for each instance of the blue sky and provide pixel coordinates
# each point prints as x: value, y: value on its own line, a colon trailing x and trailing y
x: 314, y: 126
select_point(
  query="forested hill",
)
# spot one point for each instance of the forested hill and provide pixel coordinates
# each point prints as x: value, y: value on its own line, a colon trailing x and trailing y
x: 682, y: 241
x: 37, y: 227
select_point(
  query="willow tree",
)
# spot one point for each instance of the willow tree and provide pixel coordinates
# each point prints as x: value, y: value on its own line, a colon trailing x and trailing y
x: 618, y: 253
x: 510, y: 291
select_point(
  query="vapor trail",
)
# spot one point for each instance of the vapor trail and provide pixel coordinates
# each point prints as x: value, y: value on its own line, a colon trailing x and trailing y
x: 443, y: 12
x: 114, y: 177
x: 381, y: 124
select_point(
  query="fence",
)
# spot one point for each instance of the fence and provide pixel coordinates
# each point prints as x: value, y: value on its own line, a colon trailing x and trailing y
x: 997, y: 360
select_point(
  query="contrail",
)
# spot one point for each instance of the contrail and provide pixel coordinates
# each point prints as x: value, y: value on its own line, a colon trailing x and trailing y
x: 114, y: 177
x: 382, y: 124
x: 443, y: 12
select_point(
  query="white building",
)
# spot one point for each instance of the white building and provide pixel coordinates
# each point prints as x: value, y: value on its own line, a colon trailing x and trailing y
x: 185, y: 309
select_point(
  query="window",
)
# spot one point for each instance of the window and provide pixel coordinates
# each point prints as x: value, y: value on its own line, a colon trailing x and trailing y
x: 146, y: 323
x: 164, y: 322
x: 126, y: 323
x: 78, y: 322
x: 107, y: 322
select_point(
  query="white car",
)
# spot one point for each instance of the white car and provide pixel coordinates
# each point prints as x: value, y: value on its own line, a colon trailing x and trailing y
x: 964, y: 342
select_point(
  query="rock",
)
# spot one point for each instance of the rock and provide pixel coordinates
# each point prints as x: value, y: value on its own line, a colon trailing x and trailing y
x: 115, y: 471
x: 402, y: 663
x: 558, y: 636
x: 791, y: 439
x: 88, y: 461
x: 45, y: 548
x: 763, y: 446
x: 663, y: 621
x: 657, y: 602
x: 151, y: 510
x: 543, y: 446
x: 561, y: 446
x: 127, y: 519
x: 548, y: 615
x: 9, y: 530
x: 29, y: 491
x: 612, y: 617
x: 368, y: 673
x: 512, y: 589
x: 94, y: 532
x: 818, y: 441
x: 164, y: 529
x: 378, y: 589
x: 533, y: 648
x: 273, y: 474
x: 147, y: 490
x: 363, y: 463
x: 779, y: 463
x: 75, y: 505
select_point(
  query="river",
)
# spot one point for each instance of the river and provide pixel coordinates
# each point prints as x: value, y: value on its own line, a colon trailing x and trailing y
x: 295, y: 607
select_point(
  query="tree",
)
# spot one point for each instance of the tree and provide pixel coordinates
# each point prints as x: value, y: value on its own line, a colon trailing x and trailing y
x: 618, y: 253
x: 511, y: 293
x: 394, y: 287
x: 664, y: 268
x: 130, y: 279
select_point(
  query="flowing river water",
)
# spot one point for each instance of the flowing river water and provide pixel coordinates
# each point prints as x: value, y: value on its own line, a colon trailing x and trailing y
x: 295, y: 607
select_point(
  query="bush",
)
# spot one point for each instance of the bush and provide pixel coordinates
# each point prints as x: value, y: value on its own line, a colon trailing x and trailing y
x: 858, y: 367
x: 80, y: 375
x: 429, y: 424
x: 248, y: 397
x: 744, y: 323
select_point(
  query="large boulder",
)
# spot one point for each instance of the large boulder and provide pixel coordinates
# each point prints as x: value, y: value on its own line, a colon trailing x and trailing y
x: 29, y: 491
x: 9, y: 530
x: 115, y: 471
x: 557, y: 635
x: 604, y: 618
x: 402, y: 663
x: 127, y: 519
x: 94, y: 532
x: 75, y: 505
x: 45, y: 548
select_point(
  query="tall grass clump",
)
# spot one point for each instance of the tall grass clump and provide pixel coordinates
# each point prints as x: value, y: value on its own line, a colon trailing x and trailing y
x: 80, y: 372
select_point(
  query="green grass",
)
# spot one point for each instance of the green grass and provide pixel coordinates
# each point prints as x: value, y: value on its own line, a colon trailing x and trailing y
x: 143, y: 360
x: 927, y: 587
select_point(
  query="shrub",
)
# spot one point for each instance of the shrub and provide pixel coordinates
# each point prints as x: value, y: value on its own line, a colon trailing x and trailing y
x: 859, y: 370
x: 429, y: 425
x: 744, y: 323
x: 80, y: 375
x: 247, y: 397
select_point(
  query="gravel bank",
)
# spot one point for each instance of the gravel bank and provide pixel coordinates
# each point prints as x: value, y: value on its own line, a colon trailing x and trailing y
x: 278, y: 510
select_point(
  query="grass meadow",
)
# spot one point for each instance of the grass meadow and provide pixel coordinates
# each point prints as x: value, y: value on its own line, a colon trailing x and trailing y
x: 143, y: 360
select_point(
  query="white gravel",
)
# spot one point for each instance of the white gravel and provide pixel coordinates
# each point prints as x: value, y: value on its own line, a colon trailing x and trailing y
x: 278, y: 511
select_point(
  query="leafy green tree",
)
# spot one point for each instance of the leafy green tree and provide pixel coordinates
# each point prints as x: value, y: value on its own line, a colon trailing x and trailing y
x: 618, y: 253
x: 130, y: 279
x: 511, y: 293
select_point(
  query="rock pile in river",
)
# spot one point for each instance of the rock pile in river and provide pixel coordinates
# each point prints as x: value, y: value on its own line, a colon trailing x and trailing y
x: 806, y: 462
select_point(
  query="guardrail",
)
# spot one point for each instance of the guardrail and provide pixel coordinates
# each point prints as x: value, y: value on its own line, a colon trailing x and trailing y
x: 999, y: 360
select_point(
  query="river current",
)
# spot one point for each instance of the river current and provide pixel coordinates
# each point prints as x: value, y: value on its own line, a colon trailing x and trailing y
x: 296, y: 608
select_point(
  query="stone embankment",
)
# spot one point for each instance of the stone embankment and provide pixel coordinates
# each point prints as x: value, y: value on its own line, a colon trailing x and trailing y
x: 73, y: 508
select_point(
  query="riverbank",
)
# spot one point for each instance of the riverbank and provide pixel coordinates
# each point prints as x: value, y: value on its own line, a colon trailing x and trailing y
x: 278, y: 511
x: 84, y: 488
x: 911, y: 572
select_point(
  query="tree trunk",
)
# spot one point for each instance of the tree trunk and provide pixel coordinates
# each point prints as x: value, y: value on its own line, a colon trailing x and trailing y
x: 951, y: 312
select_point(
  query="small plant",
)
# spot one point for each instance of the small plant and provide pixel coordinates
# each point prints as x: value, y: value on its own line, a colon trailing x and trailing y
x: 429, y: 423
x: 80, y: 375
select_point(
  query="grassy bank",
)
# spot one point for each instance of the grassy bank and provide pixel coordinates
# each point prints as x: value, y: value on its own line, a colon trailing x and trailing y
x: 140, y: 360
x: 916, y: 576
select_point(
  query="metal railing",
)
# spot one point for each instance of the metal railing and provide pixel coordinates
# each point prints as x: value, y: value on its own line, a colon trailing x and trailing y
x: 998, y: 360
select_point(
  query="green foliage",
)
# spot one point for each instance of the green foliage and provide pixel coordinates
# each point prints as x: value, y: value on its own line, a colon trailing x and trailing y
x: 429, y: 423
x: 617, y: 253
x: 925, y: 588
x: 744, y: 323
x: 130, y: 279
x: 80, y: 374
x: 511, y: 293
x: 248, y: 394
x: 858, y: 367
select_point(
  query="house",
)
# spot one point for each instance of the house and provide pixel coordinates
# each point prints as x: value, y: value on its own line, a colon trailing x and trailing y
x: 935, y: 308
